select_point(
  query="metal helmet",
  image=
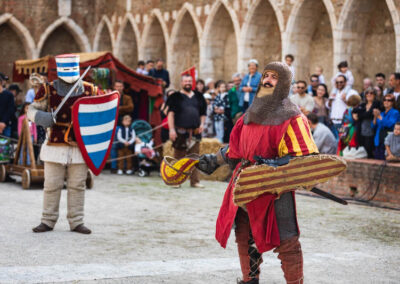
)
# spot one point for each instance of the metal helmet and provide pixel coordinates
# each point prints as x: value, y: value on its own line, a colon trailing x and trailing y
x: 68, y: 67
x: 175, y: 172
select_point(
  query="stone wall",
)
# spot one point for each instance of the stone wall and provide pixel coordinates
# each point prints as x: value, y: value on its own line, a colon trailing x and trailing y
x: 361, y: 178
x: 218, y: 37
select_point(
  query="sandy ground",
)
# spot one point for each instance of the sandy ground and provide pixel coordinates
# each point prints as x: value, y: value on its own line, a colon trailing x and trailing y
x: 145, y: 232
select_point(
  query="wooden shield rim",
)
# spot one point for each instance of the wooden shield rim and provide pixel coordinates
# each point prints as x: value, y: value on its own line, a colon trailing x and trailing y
x: 75, y: 112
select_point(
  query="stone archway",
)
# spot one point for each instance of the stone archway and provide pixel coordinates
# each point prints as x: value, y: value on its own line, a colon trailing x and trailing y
x: 60, y: 41
x: 185, y: 51
x: 67, y: 36
x: 105, y: 41
x: 219, y: 47
x: 127, y: 45
x: 154, y: 42
x: 311, y: 39
x: 10, y: 51
x: 261, y: 35
x: 365, y: 27
x: 104, y: 38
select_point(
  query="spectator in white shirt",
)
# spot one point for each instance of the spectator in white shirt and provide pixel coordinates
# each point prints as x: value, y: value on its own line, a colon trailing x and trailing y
x: 303, y: 100
x: 337, y: 101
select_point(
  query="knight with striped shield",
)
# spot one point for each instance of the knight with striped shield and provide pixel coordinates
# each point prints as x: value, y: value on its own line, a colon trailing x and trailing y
x: 272, y: 153
x: 61, y: 156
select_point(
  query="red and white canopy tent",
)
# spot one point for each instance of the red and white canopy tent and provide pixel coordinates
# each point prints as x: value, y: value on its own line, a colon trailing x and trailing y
x: 144, y: 85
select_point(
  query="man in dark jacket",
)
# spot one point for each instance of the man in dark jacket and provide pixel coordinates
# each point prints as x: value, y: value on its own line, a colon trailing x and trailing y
x: 7, y: 107
x: 160, y: 73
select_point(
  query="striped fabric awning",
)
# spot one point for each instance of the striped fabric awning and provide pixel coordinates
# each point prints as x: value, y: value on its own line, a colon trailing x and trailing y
x: 300, y: 172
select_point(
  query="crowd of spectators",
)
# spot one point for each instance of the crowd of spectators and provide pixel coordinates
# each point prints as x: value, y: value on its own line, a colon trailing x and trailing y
x: 344, y: 121
x: 361, y: 124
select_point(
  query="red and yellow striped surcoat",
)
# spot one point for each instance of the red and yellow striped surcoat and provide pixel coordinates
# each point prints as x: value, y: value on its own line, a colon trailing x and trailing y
x: 292, y: 137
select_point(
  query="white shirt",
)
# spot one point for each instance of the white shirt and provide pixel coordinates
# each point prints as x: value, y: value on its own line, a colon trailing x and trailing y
x: 306, y: 102
x: 127, y: 130
x: 61, y: 154
x: 321, y: 79
x: 396, y: 95
x: 339, y: 106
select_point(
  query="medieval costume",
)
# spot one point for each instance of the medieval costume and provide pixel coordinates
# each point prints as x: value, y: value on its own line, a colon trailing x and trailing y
x: 60, y: 153
x: 272, y: 127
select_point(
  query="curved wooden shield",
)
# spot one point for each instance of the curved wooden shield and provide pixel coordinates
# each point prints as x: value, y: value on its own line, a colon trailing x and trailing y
x: 95, y: 120
x: 300, y: 172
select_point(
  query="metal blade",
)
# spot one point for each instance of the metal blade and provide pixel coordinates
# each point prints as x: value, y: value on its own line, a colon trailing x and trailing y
x: 328, y: 195
x: 69, y: 93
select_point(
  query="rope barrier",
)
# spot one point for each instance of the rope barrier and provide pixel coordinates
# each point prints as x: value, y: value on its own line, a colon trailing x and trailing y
x: 132, y: 155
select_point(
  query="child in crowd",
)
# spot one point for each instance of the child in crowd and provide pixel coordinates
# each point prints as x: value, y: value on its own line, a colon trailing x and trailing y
x: 319, y: 71
x: 32, y: 130
x: 146, y: 149
x: 392, y: 144
x: 220, y: 106
x: 347, y: 133
x: 141, y: 68
x: 208, y: 124
x: 344, y: 70
x: 289, y: 59
x: 126, y: 137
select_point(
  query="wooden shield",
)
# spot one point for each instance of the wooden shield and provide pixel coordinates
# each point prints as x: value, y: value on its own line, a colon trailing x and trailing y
x: 95, y: 120
x: 298, y: 173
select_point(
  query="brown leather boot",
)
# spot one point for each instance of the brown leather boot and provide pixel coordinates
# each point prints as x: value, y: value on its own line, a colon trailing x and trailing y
x: 42, y: 228
x: 252, y: 281
x: 291, y: 258
x: 82, y: 229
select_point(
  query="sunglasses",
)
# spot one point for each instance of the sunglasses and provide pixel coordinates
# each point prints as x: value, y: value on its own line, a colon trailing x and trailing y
x: 388, y: 100
x: 314, y: 81
x: 339, y: 82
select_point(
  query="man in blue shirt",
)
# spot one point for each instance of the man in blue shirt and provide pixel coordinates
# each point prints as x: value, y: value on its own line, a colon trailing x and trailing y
x: 249, y: 85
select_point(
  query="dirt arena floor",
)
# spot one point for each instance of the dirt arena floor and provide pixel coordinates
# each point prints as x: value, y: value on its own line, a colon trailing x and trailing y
x: 145, y: 232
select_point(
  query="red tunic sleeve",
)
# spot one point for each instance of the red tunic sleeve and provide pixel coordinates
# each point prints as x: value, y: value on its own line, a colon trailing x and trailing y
x: 298, y: 140
x: 234, y: 140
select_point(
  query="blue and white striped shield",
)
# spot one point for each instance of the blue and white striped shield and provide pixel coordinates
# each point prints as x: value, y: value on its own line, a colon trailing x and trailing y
x: 95, y: 120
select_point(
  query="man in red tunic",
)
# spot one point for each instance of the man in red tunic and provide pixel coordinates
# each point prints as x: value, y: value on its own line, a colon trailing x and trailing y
x: 272, y: 127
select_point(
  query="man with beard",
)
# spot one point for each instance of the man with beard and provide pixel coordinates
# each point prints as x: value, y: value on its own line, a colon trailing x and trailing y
x: 186, y: 118
x: 271, y: 128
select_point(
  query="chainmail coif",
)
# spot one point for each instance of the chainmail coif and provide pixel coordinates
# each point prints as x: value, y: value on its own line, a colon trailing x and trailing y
x: 63, y: 88
x: 276, y: 108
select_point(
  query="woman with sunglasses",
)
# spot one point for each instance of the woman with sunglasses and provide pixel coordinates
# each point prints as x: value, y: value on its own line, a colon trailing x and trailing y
x: 363, y: 116
x: 384, y: 122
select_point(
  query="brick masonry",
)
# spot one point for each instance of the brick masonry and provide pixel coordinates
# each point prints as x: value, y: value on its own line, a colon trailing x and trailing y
x: 218, y: 37
x: 361, y: 178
